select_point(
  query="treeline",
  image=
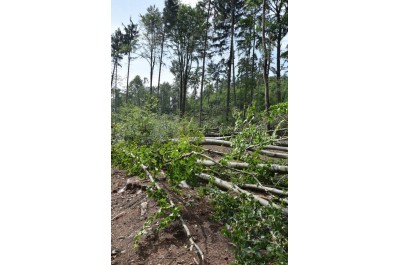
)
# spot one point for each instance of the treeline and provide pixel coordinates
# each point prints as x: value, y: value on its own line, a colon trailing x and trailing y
x: 224, y: 54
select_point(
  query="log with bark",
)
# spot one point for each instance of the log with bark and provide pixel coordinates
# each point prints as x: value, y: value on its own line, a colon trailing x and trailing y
x: 281, y: 142
x: 217, y: 134
x: 210, y: 141
x: 263, y: 188
x: 270, y: 147
x: 219, y: 142
x: 242, y: 165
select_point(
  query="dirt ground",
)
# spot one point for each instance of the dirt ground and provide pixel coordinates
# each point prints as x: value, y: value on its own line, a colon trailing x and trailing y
x: 131, y: 207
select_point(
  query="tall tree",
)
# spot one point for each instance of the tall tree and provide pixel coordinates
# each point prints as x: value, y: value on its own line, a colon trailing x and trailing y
x: 185, y: 37
x: 246, y: 40
x: 130, y: 43
x: 116, y: 55
x: 116, y: 51
x: 279, y: 10
x: 152, y: 32
x: 161, y: 61
x: 226, y: 14
x: 168, y: 18
x: 223, y: 31
x: 266, y: 58
x: 205, y: 42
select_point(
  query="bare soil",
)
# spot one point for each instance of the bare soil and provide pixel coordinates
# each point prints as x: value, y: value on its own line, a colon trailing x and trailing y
x: 130, y: 207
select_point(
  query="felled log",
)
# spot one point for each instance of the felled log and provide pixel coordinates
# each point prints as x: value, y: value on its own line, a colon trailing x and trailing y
x: 243, y: 165
x: 210, y: 141
x: 232, y: 187
x: 215, y: 152
x: 280, y: 142
x: 263, y: 188
x: 216, y: 134
x: 211, y: 133
x: 274, y: 147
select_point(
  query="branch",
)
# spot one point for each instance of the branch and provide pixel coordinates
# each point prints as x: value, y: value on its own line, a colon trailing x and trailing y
x: 188, y: 234
x: 118, y: 215
x: 211, y: 162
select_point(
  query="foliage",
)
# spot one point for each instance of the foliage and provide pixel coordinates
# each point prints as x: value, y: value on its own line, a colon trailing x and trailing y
x: 278, y: 115
x: 250, y: 133
x: 142, y: 126
x: 259, y: 232
x: 180, y: 167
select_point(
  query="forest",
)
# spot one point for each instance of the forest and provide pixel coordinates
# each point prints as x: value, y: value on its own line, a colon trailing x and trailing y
x: 200, y: 164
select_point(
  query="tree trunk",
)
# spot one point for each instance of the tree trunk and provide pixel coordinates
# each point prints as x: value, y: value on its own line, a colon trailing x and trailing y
x: 278, y: 9
x: 278, y: 66
x: 253, y: 83
x: 263, y: 188
x: 265, y: 64
x: 233, y: 79
x: 185, y: 81
x: 233, y: 52
x: 242, y: 165
x: 151, y: 72
x: 230, y: 62
x: 208, y: 141
x: 204, y: 63
x: 127, y: 78
x: 159, y: 71
x: 112, y: 75
x: 115, y: 87
x: 245, y: 91
x: 180, y: 94
x: 218, y: 93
